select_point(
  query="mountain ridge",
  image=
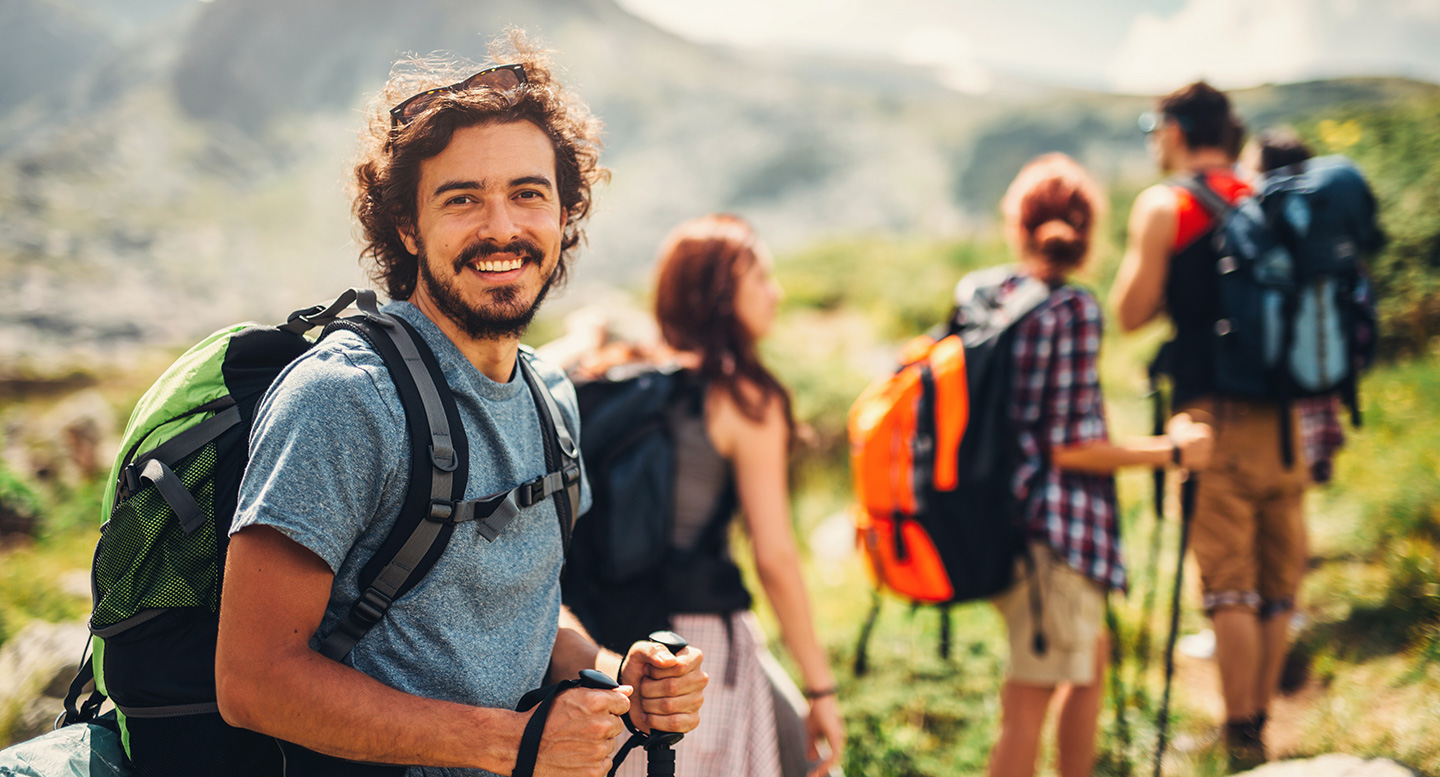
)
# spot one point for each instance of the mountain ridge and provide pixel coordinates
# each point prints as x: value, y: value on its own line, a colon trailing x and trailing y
x: 193, y: 171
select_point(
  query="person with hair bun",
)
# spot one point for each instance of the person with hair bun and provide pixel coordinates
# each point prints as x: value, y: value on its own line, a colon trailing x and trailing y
x: 1065, y: 480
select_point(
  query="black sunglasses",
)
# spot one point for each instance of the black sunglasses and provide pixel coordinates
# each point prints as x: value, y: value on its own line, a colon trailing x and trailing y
x: 502, y: 77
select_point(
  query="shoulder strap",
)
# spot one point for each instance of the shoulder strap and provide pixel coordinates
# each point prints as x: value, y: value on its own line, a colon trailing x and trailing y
x: 1200, y: 189
x: 437, y: 480
x: 562, y: 454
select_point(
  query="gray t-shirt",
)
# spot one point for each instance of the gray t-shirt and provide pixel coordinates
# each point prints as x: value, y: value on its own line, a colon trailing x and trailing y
x: 329, y: 468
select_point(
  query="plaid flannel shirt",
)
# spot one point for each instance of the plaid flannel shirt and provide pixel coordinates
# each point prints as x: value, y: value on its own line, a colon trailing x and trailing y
x: 1056, y: 402
x: 1321, y: 434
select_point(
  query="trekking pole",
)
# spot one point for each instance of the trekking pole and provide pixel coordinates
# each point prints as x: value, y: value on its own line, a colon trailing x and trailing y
x: 1187, y: 511
x: 659, y: 752
x: 659, y: 757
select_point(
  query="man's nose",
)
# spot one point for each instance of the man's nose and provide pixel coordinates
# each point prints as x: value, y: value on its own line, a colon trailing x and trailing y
x: 497, y: 224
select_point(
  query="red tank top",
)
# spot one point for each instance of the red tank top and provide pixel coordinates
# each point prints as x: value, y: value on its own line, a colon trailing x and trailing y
x: 1191, y: 218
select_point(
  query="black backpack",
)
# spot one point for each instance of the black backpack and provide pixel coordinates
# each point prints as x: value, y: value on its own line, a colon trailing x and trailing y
x: 975, y: 526
x: 624, y: 577
x: 1296, y: 313
x: 158, y: 563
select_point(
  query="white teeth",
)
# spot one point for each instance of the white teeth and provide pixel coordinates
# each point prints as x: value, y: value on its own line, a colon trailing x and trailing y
x: 500, y: 266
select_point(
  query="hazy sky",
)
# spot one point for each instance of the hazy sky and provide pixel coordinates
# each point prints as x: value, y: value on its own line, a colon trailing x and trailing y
x: 1126, y: 45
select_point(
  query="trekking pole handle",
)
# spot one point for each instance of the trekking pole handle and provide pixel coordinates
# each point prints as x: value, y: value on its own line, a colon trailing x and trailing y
x: 675, y: 644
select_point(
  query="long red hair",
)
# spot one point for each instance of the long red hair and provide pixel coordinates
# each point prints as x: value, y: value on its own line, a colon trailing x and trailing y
x: 699, y: 269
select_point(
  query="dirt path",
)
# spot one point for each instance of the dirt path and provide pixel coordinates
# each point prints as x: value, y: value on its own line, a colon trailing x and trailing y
x: 1197, y: 684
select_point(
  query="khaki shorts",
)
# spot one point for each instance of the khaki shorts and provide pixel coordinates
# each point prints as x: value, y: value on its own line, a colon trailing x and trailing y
x: 1248, y: 534
x: 1072, y: 609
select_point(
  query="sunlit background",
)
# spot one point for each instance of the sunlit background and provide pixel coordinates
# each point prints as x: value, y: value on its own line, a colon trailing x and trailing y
x: 171, y: 166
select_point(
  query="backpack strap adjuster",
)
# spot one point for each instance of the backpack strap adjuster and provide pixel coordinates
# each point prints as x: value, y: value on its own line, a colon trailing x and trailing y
x: 371, y: 607
x: 441, y: 511
x: 444, y: 459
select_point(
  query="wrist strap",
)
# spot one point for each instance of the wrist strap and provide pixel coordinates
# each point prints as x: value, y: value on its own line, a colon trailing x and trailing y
x: 812, y: 695
x: 1174, y: 453
x: 542, y: 699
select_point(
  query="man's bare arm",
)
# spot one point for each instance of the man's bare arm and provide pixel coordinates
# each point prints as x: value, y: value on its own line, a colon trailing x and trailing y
x: 269, y: 680
x: 1138, y: 295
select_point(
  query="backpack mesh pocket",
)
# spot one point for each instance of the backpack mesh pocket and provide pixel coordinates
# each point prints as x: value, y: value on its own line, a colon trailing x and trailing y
x: 145, y: 560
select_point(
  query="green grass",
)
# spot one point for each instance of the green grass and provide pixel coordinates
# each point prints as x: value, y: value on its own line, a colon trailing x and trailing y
x: 1373, y: 597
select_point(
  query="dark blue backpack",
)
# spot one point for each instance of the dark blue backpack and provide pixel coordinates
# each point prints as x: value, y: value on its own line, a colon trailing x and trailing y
x: 1296, y: 309
x: 624, y: 577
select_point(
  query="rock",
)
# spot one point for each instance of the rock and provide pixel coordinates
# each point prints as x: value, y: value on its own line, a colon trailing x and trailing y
x: 1332, y: 765
x: 68, y: 443
x: 37, y: 658
x: 36, y: 718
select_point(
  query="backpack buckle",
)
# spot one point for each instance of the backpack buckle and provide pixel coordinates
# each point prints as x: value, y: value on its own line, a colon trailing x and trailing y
x: 371, y: 607
x: 532, y: 492
x: 305, y: 315
x: 129, y: 482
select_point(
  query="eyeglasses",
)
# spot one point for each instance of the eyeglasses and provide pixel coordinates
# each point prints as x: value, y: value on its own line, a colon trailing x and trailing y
x: 502, y: 78
x: 1153, y: 120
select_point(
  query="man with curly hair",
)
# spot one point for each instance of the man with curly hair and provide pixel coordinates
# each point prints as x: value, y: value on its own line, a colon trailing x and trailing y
x: 471, y: 191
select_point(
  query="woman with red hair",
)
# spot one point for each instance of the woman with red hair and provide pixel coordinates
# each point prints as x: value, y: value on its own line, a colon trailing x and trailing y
x: 1065, y: 480
x: 715, y: 299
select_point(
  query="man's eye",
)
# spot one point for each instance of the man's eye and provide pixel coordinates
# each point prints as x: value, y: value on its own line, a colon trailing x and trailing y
x: 462, y: 199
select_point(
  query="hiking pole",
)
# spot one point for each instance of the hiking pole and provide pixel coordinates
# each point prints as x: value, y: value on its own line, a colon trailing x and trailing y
x: 659, y: 757
x: 659, y: 752
x: 1117, y: 688
x: 1187, y: 512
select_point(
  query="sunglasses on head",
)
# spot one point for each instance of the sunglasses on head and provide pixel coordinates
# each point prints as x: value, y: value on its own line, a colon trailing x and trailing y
x: 501, y: 77
x: 1153, y: 120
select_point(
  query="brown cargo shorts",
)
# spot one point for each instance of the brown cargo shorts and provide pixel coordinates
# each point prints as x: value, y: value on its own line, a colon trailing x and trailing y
x: 1248, y: 534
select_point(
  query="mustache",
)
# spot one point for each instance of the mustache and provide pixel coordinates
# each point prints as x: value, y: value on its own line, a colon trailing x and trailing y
x: 519, y: 247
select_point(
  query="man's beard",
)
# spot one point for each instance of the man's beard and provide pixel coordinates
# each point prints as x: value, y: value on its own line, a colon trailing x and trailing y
x: 504, y: 317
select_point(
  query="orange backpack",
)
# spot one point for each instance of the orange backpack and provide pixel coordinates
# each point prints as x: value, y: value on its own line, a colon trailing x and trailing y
x: 933, y: 454
x: 905, y: 432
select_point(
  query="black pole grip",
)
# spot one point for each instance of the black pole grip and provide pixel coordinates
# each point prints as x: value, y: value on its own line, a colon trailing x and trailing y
x: 664, y: 739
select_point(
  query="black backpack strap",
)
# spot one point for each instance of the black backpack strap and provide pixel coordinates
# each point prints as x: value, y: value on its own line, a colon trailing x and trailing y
x: 562, y: 453
x: 302, y: 321
x: 430, y: 515
x: 862, y: 644
x: 1208, y: 198
x: 155, y: 467
x: 75, y: 712
x: 437, y: 480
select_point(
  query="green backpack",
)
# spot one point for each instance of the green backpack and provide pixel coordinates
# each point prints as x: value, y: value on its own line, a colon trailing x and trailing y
x: 158, y: 564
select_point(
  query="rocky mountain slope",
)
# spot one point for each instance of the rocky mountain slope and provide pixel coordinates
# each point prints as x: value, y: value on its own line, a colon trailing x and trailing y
x: 168, y: 166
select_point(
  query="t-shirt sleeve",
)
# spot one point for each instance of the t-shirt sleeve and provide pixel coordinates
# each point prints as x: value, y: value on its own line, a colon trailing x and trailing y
x: 1076, y: 408
x: 325, y: 452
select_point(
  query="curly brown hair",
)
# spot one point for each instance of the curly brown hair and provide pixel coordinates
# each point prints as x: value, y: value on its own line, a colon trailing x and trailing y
x: 387, y: 173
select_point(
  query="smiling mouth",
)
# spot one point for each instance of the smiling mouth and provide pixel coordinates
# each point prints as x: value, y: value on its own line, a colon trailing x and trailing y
x: 497, y: 265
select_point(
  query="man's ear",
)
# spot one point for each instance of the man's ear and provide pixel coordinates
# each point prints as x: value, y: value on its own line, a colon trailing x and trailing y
x: 1173, y: 134
x: 407, y: 236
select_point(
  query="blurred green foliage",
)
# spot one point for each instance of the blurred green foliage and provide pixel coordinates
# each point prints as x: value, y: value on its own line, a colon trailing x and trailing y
x: 1398, y: 148
x: 16, y: 496
x: 902, y: 287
